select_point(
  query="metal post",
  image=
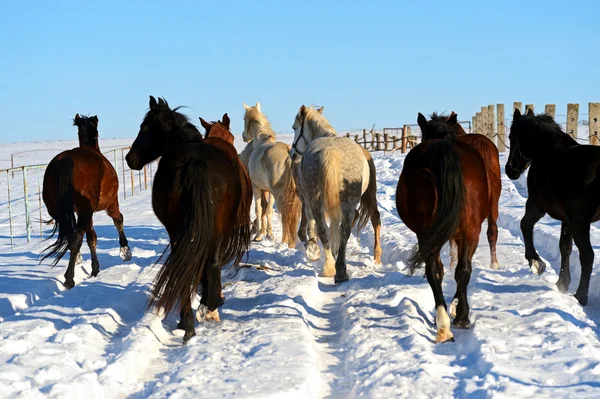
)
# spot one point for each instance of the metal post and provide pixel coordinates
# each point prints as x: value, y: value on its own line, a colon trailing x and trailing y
x: 145, y: 178
x: 40, y: 200
x: 9, y: 211
x: 132, y: 183
x: 27, y: 218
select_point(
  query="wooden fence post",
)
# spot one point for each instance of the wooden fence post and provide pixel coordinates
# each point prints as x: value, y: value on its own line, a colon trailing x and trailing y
x: 474, y: 123
x: 385, y: 143
x: 365, y: 139
x: 491, y: 123
x: 372, y: 140
x: 484, y: 121
x: 550, y: 110
x: 518, y: 105
x: 572, y: 119
x: 501, y: 131
x: 348, y: 135
x: 479, y: 119
x: 378, y: 138
x: 528, y: 107
x: 404, y: 138
x: 594, y: 123
x: 356, y: 139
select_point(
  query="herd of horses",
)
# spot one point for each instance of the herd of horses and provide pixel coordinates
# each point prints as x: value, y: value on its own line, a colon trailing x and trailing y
x: 324, y: 186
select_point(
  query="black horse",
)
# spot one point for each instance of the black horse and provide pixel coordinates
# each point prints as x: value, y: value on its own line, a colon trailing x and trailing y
x: 564, y: 182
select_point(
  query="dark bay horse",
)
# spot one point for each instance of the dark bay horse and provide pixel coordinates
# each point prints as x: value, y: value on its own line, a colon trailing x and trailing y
x: 563, y: 182
x: 443, y: 195
x: 81, y: 181
x: 202, y: 195
x: 436, y: 129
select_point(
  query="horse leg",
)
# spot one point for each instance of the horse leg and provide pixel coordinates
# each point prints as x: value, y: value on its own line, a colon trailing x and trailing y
x: 581, y: 235
x: 341, y: 274
x: 492, y: 235
x: 84, y: 221
x: 319, y: 215
x: 532, y: 215
x: 435, y: 274
x: 460, y: 304
x: 186, y: 322
x: 312, y: 248
x: 92, y: 240
x: 302, y: 229
x: 261, y: 228
x: 334, y: 237
x: 566, y: 246
x: 376, y: 222
x: 268, y: 212
x: 212, y: 297
x: 117, y: 217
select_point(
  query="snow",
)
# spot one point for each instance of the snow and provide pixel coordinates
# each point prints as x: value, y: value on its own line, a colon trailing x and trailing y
x: 285, y: 331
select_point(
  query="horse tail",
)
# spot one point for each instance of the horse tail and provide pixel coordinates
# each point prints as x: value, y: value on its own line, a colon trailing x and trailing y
x: 239, y: 240
x: 64, y: 211
x: 330, y: 183
x: 368, y: 201
x: 289, y: 203
x: 195, y: 243
x: 446, y: 172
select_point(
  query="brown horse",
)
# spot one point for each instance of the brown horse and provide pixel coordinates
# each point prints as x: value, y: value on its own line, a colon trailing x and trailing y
x: 82, y: 181
x: 491, y: 159
x: 202, y: 195
x: 443, y: 195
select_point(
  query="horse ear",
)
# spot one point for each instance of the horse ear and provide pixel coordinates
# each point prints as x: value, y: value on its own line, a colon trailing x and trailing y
x: 530, y: 112
x: 302, y: 111
x: 516, y: 114
x: 453, y: 119
x: 321, y: 109
x: 205, y: 124
x: 162, y: 103
x: 246, y: 107
x: 153, y: 104
x: 422, y: 121
x: 226, y: 121
x: 95, y: 120
x: 257, y: 106
x: 453, y: 113
x: 76, y: 119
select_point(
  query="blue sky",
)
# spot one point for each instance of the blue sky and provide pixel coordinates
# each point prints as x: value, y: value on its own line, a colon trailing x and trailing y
x: 367, y: 62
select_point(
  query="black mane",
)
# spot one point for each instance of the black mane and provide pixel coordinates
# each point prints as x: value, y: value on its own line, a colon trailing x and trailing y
x: 545, y: 127
x: 186, y: 130
x: 437, y: 128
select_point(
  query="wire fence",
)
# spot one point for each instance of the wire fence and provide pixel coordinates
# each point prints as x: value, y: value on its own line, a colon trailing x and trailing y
x: 21, y: 189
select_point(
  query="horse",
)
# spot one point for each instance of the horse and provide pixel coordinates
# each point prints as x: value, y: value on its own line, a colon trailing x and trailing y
x: 491, y: 159
x: 270, y: 169
x: 265, y: 195
x: 563, y: 182
x: 82, y: 181
x: 443, y: 195
x: 335, y: 178
x: 202, y: 195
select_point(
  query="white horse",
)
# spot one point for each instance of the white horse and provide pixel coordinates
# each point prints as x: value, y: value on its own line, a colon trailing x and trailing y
x: 245, y: 158
x: 335, y: 176
x: 270, y: 169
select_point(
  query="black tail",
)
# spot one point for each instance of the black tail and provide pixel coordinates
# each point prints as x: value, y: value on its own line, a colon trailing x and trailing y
x: 368, y: 201
x: 64, y: 218
x: 442, y: 161
x: 194, y: 247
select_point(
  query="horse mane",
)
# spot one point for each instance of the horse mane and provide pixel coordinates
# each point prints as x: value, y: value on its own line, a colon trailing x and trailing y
x: 438, y: 125
x: 546, y: 126
x: 186, y: 131
x: 259, y: 124
x: 318, y: 123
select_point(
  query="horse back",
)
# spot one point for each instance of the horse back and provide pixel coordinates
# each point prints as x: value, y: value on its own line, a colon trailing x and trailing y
x: 477, y: 191
x: 491, y: 159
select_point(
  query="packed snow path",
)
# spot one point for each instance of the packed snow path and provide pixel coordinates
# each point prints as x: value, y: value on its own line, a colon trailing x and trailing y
x: 286, y: 332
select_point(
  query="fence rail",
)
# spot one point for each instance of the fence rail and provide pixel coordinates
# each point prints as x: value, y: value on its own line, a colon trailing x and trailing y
x: 19, y: 211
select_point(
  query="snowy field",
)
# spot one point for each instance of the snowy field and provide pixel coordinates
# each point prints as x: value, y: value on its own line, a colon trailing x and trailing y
x: 285, y: 331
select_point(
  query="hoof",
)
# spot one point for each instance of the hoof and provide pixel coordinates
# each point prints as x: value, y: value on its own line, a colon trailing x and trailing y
x: 125, y: 253
x: 583, y: 299
x: 180, y: 325
x: 453, y: 307
x: 188, y: 335
x: 79, y: 259
x: 378, y: 259
x: 341, y: 279
x: 271, y: 236
x: 259, y: 237
x: 494, y: 266
x: 563, y: 286
x: 444, y: 336
x: 203, y: 314
x: 463, y: 324
x: 537, y: 266
x: 95, y: 272
x: 313, y: 252
x: 69, y: 284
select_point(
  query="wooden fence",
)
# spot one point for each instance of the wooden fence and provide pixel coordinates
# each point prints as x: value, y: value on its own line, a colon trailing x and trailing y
x: 492, y: 122
x: 393, y: 138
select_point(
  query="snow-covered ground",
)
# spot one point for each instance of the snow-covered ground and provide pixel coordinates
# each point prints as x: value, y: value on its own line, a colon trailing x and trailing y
x: 286, y: 332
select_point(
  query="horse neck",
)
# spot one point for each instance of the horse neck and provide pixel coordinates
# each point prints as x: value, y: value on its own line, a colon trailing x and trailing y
x: 320, y: 129
x: 555, y: 141
x: 91, y: 144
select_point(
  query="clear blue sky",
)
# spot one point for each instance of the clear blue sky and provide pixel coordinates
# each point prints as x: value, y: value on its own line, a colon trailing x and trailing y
x: 366, y: 62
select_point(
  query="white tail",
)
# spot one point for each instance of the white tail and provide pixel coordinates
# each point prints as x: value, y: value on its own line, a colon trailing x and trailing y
x: 330, y: 184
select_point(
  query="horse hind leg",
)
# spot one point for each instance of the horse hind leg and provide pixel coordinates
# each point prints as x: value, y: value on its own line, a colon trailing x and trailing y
x: 492, y: 236
x: 376, y: 222
x: 212, y: 297
x: 261, y: 227
x: 323, y: 231
x: 460, y: 305
x: 115, y: 214
x: 566, y: 247
x: 434, y: 270
x: 84, y: 222
x: 581, y: 236
x: 268, y: 213
x: 312, y: 248
x: 92, y: 241
x: 341, y: 273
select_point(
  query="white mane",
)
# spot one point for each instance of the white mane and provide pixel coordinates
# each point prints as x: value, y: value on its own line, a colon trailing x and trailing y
x: 257, y: 126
